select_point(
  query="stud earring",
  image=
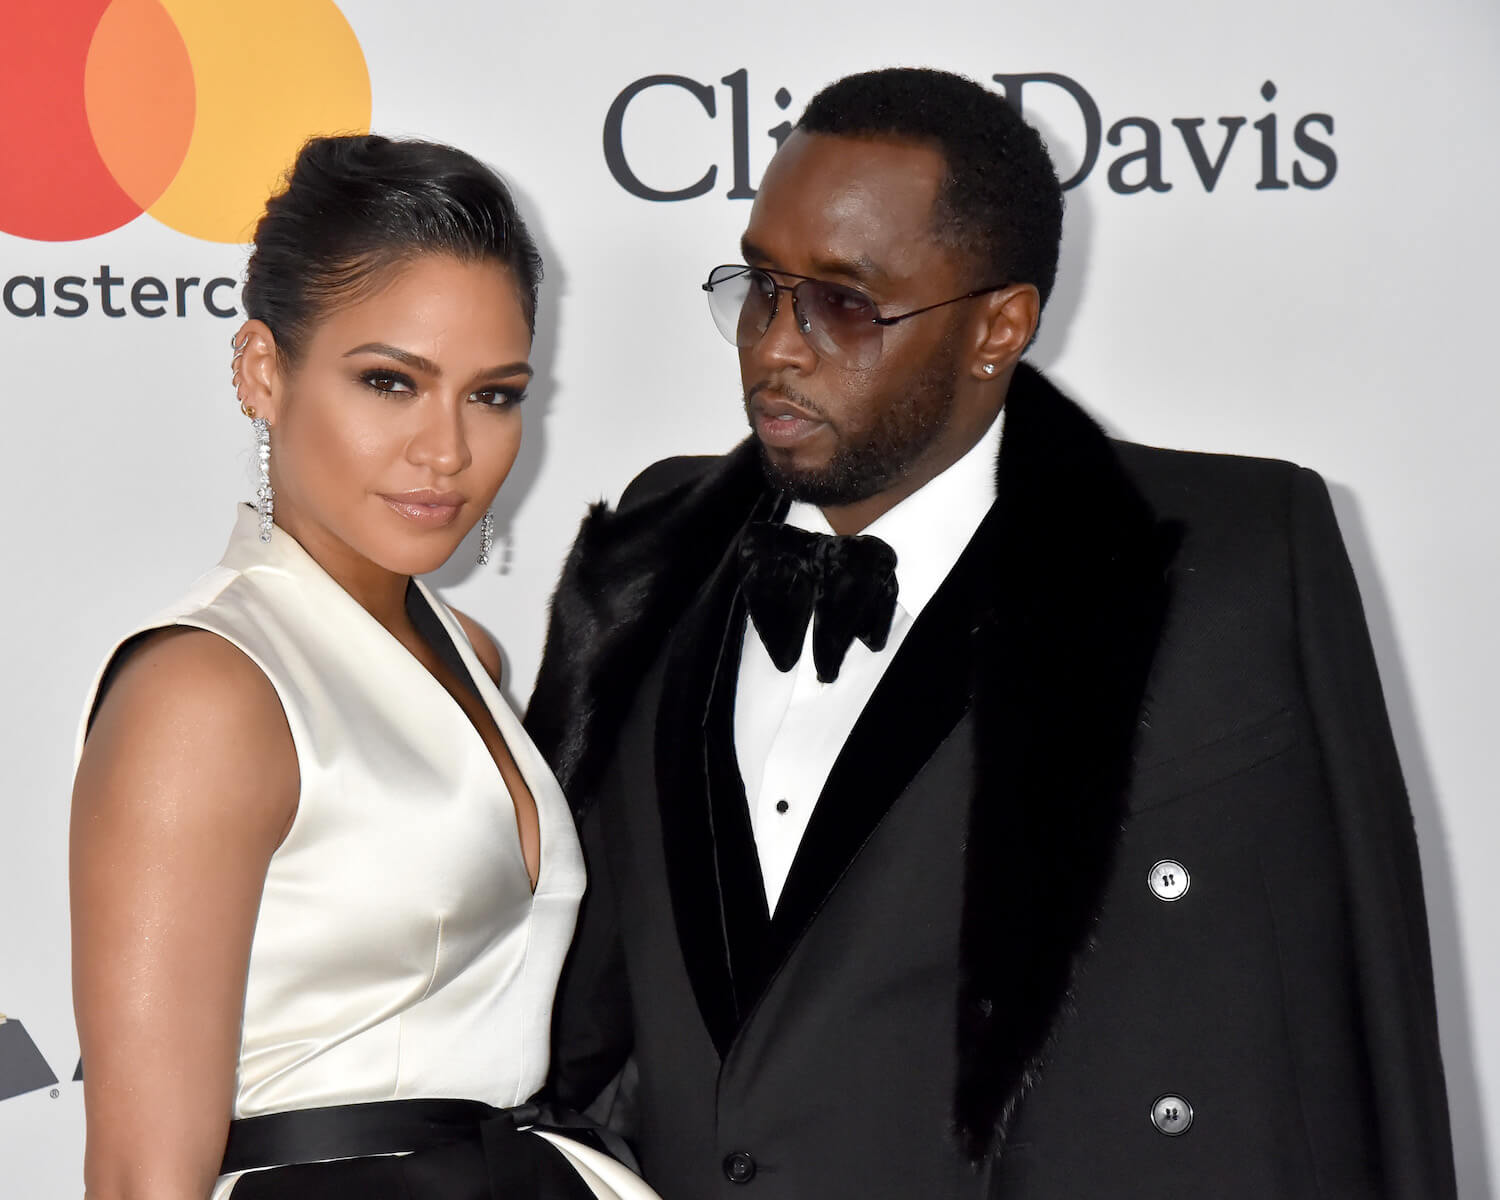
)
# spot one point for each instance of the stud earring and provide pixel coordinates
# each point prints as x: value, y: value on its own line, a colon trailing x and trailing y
x: 988, y: 368
x: 265, y: 495
x: 486, y: 539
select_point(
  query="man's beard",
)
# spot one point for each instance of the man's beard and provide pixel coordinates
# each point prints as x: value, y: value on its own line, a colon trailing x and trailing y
x: 905, y: 428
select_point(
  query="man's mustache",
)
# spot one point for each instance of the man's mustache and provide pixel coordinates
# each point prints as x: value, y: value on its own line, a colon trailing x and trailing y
x: 788, y: 393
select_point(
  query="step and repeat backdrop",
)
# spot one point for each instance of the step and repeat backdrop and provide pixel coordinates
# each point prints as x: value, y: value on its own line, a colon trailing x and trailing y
x: 1280, y: 241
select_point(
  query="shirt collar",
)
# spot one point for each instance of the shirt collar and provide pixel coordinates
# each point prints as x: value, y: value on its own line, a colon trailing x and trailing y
x: 930, y: 528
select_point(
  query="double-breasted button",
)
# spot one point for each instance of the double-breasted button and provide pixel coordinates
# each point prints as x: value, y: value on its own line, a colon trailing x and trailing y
x: 739, y: 1167
x: 1169, y: 880
x: 1172, y: 1115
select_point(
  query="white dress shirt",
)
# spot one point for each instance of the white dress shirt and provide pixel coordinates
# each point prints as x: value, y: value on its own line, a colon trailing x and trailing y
x: 788, y: 727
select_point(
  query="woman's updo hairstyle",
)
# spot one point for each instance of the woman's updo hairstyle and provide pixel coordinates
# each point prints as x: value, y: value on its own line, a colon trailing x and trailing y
x: 353, y: 207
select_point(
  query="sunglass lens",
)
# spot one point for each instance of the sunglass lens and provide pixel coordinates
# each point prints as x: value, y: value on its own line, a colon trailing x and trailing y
x: 840, y: 323
x: 740, y: 300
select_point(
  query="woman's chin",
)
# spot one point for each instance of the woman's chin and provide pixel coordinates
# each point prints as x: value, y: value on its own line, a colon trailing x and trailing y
x: 411, y: 559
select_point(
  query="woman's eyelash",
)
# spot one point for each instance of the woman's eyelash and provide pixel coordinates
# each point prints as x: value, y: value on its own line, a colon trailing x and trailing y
x: 376, y: 378
x: 504, y: 397
x: 388, y: 382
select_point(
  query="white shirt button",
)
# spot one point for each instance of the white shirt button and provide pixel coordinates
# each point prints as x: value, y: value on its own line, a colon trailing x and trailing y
x: 1169, y: 880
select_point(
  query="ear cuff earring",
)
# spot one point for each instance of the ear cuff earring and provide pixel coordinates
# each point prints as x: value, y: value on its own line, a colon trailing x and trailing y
x: 486, y: 539
x: 234, y: 372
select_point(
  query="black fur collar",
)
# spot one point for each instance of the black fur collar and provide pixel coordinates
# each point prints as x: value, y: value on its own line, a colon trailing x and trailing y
x: 1080, y: 594
x: 1068, y: 614
x: 625, y: 583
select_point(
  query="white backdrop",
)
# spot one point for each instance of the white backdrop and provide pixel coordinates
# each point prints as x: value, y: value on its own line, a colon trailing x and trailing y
x: 1347, y: 326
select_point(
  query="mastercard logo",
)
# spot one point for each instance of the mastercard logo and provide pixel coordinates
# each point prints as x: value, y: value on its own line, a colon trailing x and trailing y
x: 190, y: 110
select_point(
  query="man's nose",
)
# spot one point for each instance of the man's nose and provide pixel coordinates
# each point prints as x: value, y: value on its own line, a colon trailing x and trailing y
x: 784, y: 343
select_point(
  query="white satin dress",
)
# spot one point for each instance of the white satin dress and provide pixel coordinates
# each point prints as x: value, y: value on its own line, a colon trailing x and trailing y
x: 399, y: 950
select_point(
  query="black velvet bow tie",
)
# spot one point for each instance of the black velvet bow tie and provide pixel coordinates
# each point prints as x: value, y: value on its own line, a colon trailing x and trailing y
x: 845, y: 585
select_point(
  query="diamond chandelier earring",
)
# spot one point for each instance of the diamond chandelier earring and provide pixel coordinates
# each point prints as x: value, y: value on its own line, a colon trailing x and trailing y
x: 265, y: 495
x: 486, y: 539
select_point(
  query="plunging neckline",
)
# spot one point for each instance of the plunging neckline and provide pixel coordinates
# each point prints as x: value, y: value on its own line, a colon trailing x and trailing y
x: 286, y: 553
x: 434, y: 634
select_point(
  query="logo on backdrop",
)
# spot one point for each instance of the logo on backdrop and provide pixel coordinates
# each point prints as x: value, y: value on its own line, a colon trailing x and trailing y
x: 186, y: 110
x: 22, y: 1067
x: 1138, y: 153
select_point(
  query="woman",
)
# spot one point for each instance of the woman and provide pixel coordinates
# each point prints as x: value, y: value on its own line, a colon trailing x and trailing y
x: 322, y: 883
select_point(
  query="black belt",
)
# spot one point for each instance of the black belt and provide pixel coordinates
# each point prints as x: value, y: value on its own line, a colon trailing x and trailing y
x: 342, y: 1131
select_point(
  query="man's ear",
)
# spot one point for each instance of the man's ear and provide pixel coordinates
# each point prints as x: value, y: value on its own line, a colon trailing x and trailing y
x: 1010, y: 318
x: 257, y: 371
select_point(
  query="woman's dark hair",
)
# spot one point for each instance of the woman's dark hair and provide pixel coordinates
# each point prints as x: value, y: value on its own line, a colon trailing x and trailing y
x: 1001, y: 203
x: 355, y: 206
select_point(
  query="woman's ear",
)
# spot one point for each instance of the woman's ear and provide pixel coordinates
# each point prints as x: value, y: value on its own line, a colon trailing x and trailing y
x: 257, y: 371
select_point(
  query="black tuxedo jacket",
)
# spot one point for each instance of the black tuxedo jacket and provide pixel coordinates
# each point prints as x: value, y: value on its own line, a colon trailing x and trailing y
x: 1148, y: 672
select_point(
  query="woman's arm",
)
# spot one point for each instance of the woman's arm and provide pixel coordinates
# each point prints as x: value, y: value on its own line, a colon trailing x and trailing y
x: 187, y: 783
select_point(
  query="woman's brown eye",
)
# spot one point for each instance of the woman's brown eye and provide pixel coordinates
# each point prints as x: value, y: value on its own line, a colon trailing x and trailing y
x: 384, y: 381
x: 500, y: 397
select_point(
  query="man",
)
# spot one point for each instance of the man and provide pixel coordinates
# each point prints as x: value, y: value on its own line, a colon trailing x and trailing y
x: 1063, y: 852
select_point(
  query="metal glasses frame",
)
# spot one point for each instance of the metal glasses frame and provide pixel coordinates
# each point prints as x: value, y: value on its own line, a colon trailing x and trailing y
x: 803, y: 323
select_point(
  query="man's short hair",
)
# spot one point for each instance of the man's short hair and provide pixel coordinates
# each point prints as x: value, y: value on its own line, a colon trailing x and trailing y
x: 1001, y: 202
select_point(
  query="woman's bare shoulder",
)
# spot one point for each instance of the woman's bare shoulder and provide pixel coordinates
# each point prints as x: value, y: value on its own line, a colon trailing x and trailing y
x: 181, y: 673
x: 485, y: 649
x: 190, y: 718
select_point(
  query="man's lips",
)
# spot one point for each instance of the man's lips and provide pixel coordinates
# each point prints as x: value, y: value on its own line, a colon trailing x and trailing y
x: 774, y: 404
x: 779, y: 422
x: 426, y: 507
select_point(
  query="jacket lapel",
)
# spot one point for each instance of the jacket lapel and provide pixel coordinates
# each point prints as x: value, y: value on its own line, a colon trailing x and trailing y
x: 657, y: 576
x: 712, y: 871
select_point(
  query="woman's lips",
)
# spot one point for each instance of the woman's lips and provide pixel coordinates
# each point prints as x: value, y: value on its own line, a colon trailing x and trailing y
x: 432, y: 509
